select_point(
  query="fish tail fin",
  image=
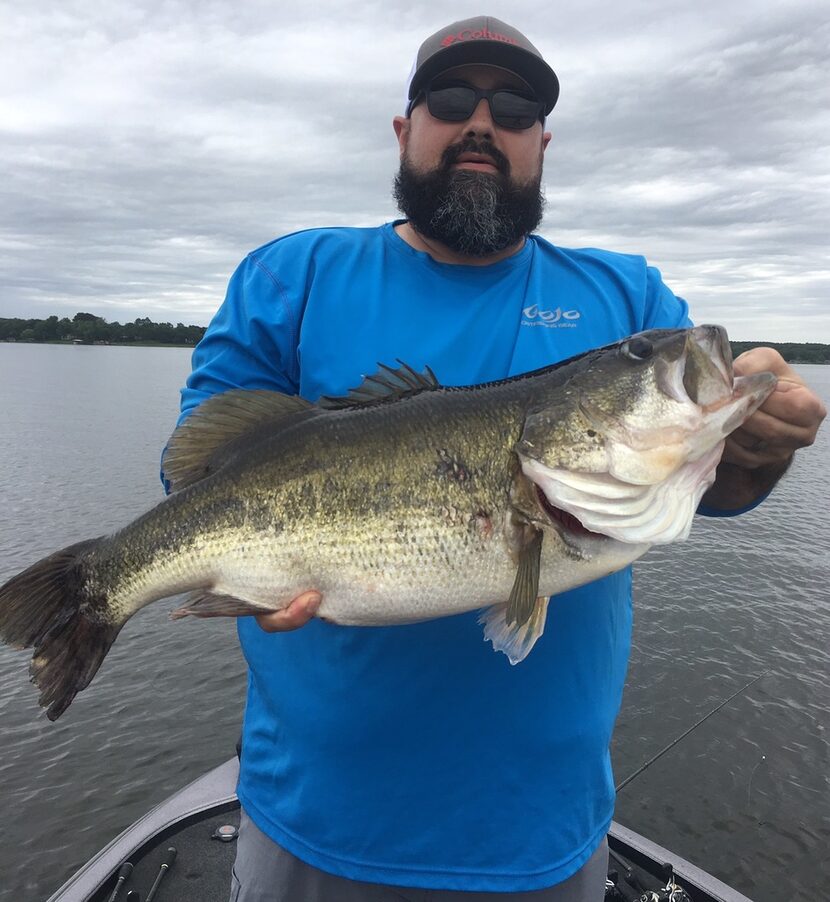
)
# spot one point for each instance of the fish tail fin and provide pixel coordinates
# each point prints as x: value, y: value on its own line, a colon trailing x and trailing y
x: 46, y: 607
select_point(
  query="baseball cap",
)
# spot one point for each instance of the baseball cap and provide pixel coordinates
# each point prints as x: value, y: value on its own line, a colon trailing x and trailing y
x: 486, y: 41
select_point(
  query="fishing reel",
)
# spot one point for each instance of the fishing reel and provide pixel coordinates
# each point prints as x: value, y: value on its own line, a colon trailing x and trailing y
x: 671, y: 892
x: 617, y: 891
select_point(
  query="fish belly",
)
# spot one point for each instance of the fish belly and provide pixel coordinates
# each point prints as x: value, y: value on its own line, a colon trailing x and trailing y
x: 407, y: 576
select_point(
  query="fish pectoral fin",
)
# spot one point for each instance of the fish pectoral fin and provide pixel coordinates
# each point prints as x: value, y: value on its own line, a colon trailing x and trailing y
x: 514, y: 626
x: 525, y: 589
x: 514, y: 640
x: 212, y: 604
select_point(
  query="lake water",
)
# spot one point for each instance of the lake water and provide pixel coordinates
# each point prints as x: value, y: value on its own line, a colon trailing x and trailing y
x: 745, y: 796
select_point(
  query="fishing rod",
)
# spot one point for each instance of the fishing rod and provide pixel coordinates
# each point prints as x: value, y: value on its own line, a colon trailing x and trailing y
x: 169, y: 858
x: 672, y: 744
x: 123, y: 873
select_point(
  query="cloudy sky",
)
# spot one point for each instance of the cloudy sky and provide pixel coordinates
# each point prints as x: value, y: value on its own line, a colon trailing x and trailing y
x: 148, y: 145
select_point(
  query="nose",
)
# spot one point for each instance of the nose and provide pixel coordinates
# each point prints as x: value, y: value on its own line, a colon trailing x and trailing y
x: 481, y: 121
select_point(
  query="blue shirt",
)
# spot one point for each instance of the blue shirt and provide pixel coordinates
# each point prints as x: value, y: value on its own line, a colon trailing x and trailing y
x: 416, y: 755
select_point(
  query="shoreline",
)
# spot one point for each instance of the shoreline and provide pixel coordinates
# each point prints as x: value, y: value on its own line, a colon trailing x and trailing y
x: 153, y: 344
x: 100, y: 344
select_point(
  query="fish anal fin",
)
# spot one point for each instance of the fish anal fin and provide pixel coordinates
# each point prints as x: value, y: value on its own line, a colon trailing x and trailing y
x: 388, y: 384
x: 214, y: 604
x: 514, y: 640
x: 209, y: 436
x: 523, y: 595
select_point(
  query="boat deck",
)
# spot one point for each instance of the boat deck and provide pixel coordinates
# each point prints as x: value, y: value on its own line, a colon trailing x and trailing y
x: 201, y: 871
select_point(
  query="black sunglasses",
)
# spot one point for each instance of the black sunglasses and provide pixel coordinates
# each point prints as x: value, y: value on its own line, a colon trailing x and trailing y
x: 509, y: 108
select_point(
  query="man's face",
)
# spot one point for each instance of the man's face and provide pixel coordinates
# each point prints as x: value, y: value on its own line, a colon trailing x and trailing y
x: 423, y: 139
x: 472, y: 185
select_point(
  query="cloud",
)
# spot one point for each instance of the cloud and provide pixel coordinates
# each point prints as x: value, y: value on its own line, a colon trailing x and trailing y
x: 147, y: 149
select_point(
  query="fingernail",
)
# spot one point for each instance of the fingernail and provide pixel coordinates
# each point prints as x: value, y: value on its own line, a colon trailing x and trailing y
x: 312, y: 604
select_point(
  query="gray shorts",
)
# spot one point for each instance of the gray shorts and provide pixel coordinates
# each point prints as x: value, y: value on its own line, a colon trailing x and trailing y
x: 265, y: 872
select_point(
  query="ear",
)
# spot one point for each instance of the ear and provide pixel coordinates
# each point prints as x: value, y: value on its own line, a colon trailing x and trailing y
x: 546, y: 140
x: 402, y: 126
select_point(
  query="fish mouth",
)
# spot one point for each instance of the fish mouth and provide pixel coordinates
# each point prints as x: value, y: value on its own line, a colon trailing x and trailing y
x: 703, y: 374
x: 709, y: 381
x: 710, y: 402
x: 707, y: 365
x: 697, y: 367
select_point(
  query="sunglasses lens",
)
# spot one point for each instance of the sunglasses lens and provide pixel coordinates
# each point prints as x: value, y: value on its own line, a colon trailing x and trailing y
x: 512, y: 110
x: 452, y: 104
x: 509, y: 109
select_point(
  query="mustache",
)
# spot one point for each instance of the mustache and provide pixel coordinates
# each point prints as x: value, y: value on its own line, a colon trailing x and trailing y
x: 469, y: 145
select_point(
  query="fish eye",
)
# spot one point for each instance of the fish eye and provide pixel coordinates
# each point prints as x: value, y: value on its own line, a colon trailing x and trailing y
x: 638, y: 348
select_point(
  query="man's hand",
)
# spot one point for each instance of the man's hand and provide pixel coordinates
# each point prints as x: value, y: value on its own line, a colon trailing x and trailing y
x: 757, y: 454
x: 297, y: 614
x: 787, y: 420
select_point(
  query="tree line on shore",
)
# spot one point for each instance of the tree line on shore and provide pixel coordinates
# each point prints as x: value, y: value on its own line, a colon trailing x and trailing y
x: 90, y: 329
x: 791, y: 351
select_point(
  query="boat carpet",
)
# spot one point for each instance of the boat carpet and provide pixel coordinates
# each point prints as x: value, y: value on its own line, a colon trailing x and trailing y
x: 200, y: 871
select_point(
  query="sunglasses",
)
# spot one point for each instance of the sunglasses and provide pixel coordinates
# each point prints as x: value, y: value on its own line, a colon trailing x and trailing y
x: 509, y: 108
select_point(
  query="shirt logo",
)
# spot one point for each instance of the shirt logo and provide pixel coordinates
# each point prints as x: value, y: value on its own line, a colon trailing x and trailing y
x: 550, y: 319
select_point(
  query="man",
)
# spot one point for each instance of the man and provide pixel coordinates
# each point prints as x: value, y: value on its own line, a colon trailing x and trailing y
x: 413, y: 762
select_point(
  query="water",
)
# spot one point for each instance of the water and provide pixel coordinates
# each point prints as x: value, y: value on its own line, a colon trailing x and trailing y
x: 746, y: 796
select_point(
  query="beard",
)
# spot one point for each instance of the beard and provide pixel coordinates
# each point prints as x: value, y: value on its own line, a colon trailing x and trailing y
x: 472, y: 213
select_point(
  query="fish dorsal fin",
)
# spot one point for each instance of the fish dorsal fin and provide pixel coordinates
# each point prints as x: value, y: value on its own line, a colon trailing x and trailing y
x: 387, y: 384
x: 208, y: 437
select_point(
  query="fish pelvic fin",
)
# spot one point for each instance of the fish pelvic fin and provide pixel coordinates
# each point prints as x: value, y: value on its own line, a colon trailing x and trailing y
x: 45, y: 608
x: 212, y: 604
x: 515, y: 640
x: 221, y: 424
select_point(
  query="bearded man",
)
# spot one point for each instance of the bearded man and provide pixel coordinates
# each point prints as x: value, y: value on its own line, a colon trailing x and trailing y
x: 412, y: 762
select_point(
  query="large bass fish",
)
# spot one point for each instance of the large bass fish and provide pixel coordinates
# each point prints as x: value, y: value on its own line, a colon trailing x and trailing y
x: 404, y: 501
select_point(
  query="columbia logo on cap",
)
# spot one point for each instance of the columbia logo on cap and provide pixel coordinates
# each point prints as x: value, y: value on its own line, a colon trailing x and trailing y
x: 483, y: 34
x: 483, y: 41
